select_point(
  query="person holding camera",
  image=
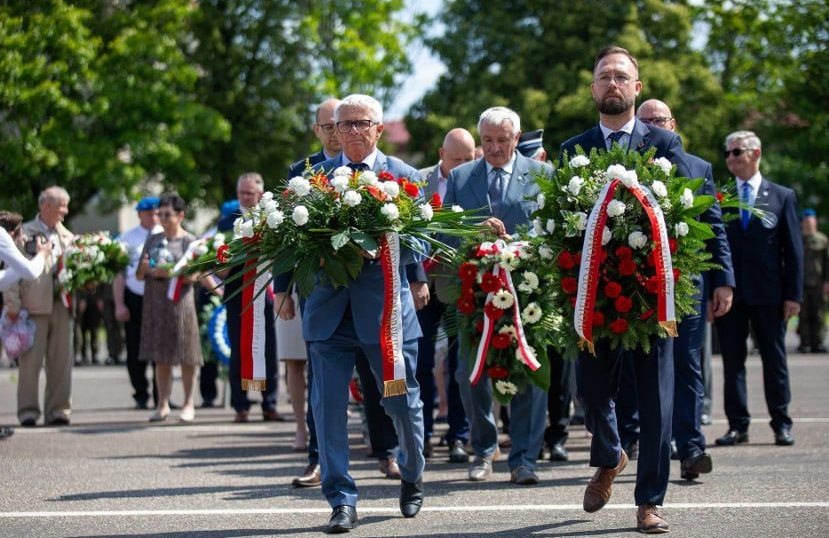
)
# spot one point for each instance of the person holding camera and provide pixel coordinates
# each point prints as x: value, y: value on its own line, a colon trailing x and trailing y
x: 16, y: 266
x: 52, y: 348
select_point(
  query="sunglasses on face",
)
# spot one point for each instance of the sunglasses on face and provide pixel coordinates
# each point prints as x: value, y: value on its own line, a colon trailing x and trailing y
x: 736, y: 152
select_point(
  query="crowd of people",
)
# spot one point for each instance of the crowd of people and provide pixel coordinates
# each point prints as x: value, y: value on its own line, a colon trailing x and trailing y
x: 637, y: 404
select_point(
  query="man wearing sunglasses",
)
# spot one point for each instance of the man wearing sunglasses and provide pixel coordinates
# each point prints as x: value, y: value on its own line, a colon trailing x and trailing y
x: 767, y: 249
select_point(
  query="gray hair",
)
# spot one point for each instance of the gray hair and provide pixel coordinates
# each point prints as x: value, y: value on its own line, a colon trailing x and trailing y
x: 53, y: 194
x: 358, y: 100
x: 498, y: 115
x: 251, y: 176
x: 751, y: 140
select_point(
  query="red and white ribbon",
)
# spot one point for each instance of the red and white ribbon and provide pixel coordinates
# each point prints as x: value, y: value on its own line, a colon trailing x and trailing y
x: 253, y: 327
x: 391, y: 323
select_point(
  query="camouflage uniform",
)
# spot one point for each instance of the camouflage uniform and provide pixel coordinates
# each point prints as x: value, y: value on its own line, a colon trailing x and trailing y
x: 811, y: 327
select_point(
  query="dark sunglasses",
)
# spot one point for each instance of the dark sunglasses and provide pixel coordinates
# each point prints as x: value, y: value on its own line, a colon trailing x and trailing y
x: 736, y: 152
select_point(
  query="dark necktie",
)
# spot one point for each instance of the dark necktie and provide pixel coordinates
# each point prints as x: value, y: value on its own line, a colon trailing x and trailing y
x: 496, y: 189
x: 745, y: 198
x: 615, y: 137
x: 358, y: 167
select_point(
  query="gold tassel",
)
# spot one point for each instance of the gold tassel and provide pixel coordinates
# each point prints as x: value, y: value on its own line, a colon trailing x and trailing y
x: 670, y: 327
x: 584, y: 343
x: 254, y: 384
x: 395, y: 387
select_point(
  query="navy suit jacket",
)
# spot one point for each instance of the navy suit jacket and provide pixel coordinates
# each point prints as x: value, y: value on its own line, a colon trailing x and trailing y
x: 298, y: 167
x: 669, y: 145
x: 768, y: 256
x: 325, y: 306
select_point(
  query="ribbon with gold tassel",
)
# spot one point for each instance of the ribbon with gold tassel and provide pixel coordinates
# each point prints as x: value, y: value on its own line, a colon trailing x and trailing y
x: 391, y: 323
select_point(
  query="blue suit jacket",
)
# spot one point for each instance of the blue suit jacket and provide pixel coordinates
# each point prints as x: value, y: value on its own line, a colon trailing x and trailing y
x: 768, y: 256
x: 468, y: 187
x: 325, y: 306
x: 298, y: 167
x: 669, y: 145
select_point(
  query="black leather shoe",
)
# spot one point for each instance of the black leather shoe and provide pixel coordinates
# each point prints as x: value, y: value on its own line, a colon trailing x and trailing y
x: 731, y: 438
x: 695, y: 465
x: 343, y: 519
x: 632, y: 450
x: 411, y: 497
x: 28, y: 423
x: 558, y: 453
x: 783, y: 437
x: 457, y: 454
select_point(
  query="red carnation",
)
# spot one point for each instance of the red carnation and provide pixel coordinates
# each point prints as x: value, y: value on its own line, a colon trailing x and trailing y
x: 385, y: 175
x: 627, y: 267
x: 612, y: 290
x: 566, y: 260
x: 497, y: 372
x: 436, y: 201
x: 465, y: 306
x: 221, y: 253
x: 598, y: 318
x: 468, y: 272
x: 493, y: 312
x: 619, y: 326
x: 646, y: 314
x: 411, y: 189
x: 673, y: 245
x: 624, y: 253
x: 569, y: 285
x: 622, y: 304
x: 501, y: 341
x: 490, y: 283
x: 652, y: 285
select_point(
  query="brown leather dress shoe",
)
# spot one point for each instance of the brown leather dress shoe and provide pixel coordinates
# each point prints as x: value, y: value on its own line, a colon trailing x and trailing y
x: 310, y: 478
x: 649, y: 521
x: 601, y: 485
x: 241, y: 416
x: 389, y: 468
x: 272, y: 415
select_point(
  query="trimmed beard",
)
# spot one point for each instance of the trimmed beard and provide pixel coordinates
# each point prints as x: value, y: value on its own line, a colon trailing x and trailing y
x: 612, y: 108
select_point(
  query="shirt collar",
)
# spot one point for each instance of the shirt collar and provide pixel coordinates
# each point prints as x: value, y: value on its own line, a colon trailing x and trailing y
x: 45, y: 226
x: 754, y: 181
x: 626, y: 128
x: 507, y: 168
x: 368, y: 161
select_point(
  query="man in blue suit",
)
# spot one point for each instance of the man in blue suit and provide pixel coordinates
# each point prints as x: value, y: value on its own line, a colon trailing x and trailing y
x: 337, y: 322
x: 326, y: 131
x: 688, y: 380
x: 615, y: 87
x: 768, y: 264
x: 500, y: 185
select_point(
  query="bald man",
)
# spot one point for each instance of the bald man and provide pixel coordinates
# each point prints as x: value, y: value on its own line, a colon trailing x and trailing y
x: 458, y: 148
x: 326, y: 132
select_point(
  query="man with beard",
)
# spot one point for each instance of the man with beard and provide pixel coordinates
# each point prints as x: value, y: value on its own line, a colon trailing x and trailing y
x: 614, y: 88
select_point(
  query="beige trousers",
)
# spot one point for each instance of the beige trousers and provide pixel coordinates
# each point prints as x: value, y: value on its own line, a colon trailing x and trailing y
x: 52, y: 350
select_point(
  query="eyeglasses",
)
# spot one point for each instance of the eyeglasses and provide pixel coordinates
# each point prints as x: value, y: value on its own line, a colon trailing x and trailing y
x: 326, y: 127
x: 620, y: 80
x: 167, y: 214
x: 736, y: 152
x: 361, y: 125
x: 661, y: 121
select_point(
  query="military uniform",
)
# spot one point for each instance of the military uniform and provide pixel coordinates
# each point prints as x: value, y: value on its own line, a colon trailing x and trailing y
x: 812, y: 327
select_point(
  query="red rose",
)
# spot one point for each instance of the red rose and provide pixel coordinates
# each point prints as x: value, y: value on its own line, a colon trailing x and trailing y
x: 569, y: 285
x: 501, y: 341
x: 490, y: 283
x: 436, y: 201
x: 622, y: 304
x: 672, y: 245
x: 465, y: 306
x: 566, y: 260
x: 221, y: 253
x: 676, y: 274
x: 612, y: 290
x: 624, y: 253
x: 652, y: 285
x: 479, y: 326
x: 493, y: 312
x: 619, y: 326
x: 468, y: 272
x: 385, y: 175
x: 646, y: 314
x: 497, y: 372
x: 598, y: 318
x: 627, y: 267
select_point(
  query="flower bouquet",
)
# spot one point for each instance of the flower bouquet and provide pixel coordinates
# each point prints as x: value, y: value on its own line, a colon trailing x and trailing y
x: 201, y: 255
x: 91, y: 259
x: 507, y: 314
x: 622, y: 230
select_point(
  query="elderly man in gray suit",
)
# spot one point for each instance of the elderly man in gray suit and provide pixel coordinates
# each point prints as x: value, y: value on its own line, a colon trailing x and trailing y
x: 500, y: 185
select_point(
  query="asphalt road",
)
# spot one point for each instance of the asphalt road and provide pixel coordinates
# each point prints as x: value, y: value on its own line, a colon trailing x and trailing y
x: 113, y: 474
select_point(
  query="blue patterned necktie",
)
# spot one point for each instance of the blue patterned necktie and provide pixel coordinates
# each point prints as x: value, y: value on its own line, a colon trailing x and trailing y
x: 745, y: 198
x: 615, y: 137
x: 358, y: 167
x: 496, y: 189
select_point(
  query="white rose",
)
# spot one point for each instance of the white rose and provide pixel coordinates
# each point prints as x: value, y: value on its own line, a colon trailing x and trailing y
x: 551, y: 226
x: 246, y: 229
x: 300, y: 186
x: 607, y: 235
x: 426, y: 211
x: 339, y: 183
x: 637, y: 240
x: 545, y: 252
x: 391, y: 188
x: 237, y: 226
x: 578, y: 161
x: 616, y: 208
x: 352, y: 198
x: 266, y: 196
x: 681, y: 229
x: 269, y: 206
x: 390, y: 211
x: 664, y: 164
x: 342, y: 171
x: 659, y: 189
x: 540, y: 200
x: 575, y: 185
x: 300, y: 215
x: 275, y: 218
x: 687, y: 199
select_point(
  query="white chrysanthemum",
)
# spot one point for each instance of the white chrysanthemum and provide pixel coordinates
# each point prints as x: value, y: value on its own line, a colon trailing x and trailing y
x: 456, y: 208
x: 681, y: 229
x: 637, y: 240
x: 540, y: 200
x: 687, y: 198
x: 426, y: 211
x: 607, y: 235
x: 391, y: 188
x: 300, y: 186
x: 529, y: 283
x: 616, y: 208
x: 503, y: 299
x: 505, y: 387
x: 339, y: 183
x: 629, y: 178
x: 390, y: 211
x: 664, y: 164
x: 579, y: 161
x: 352, y: 198
x: 531, y: 313
x: 538, y: 229
x: 219, y: 239
x: 275, y: 218
x: 300, y: 215
x: 545, y: 252
x: 508, y: 329
x: 615, y: 171
x: 575, y: 185
x: 551, y: 226
x: 659, y: 189
x: 246, y: 229
x: 342, y: 171
x: 367, y: 178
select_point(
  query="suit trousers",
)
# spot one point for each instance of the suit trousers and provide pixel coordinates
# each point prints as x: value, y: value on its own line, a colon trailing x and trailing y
x: 598, y: 384
x: 689, y: 387
x: 137, y: 369
x: 770, y: 333
x: 381, y: 433
x: 333, y: 363
x: 528, y: 415
x: 51, y: 351
x: 558, y: 399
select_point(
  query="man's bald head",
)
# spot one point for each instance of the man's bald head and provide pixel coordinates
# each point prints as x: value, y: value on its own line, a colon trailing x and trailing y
x: 325, y: 128
x: 656, y: 112
x: 458, y: 148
